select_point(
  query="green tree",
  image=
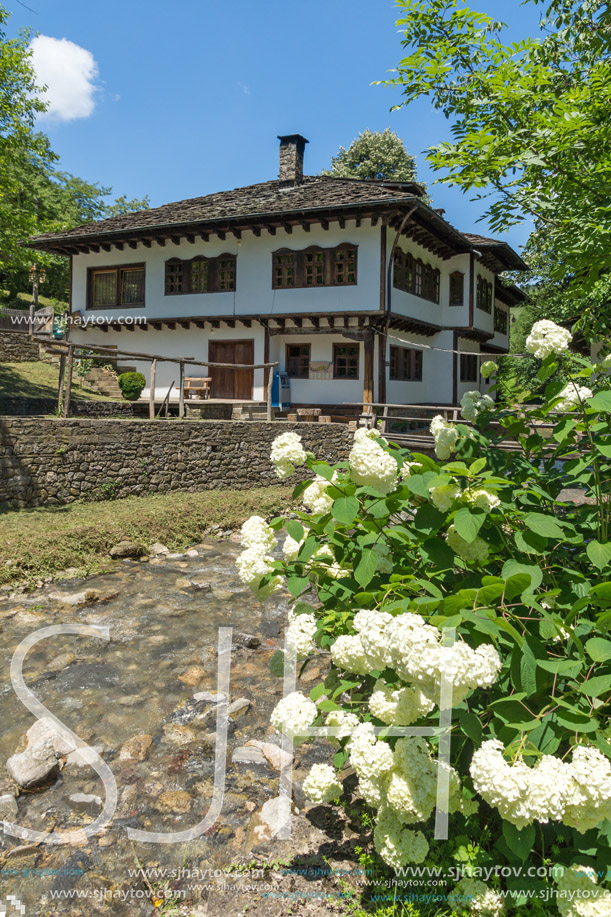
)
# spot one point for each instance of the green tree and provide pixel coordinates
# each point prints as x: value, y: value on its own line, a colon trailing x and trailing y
x: 374, y: 155
x: 530, y: 122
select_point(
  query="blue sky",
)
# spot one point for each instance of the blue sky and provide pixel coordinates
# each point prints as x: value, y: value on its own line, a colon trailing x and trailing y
x: 189, y: 96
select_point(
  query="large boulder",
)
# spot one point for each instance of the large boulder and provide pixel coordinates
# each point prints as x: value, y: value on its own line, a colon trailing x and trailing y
x: 40, y: 762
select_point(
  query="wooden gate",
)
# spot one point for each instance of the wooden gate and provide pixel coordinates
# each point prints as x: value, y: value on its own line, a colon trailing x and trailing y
x: 227, y: 382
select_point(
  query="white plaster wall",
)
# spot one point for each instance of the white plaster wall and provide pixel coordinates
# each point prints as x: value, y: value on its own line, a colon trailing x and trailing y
x: 440, y: 313
x: 479, y: 385
x: 436, y: 385
x: 253, y: 294
x: 502, y: 340
x: 323, y: 391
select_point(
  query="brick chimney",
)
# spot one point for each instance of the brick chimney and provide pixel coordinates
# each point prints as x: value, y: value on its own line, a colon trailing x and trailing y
x: 291, y: 159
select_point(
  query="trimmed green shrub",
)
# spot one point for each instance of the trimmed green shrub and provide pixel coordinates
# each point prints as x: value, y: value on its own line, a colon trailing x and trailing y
x: 131, y: 385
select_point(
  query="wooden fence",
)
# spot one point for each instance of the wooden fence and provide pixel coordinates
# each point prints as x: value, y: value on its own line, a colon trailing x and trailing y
x: 26, y: 321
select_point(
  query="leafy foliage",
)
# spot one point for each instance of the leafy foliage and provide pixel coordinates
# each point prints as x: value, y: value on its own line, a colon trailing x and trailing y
x: 131, y: 385
x: 374, y: 155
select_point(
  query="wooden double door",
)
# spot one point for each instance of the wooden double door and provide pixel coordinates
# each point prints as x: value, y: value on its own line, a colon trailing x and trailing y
x: 228, y: 382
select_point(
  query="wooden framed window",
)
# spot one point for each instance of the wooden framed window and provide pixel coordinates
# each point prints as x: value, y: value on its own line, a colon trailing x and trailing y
x: 298, y: 360
x: 346, y: 361
x: 201, y: 275
x: 457, y: 288
x: 469, y: 364
x: 113, y: 287
x: 314, y: 267
x: 405, y: 364
x: 500, y: 320
x: 412, y: 275
x: 484, y: 295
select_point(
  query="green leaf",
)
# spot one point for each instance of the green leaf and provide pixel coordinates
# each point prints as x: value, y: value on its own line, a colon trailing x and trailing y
x: 477, y: 466
x: 324, y: 470
x: 599, y: 554
x: 295, y: 529
x: 513, y: 567
x: 366, y: 567
x: 297, y: 585
x: 317, y: 691
x: 471, y: 726
x: 601, y: 401
x: 418, y: 484
x: 428, y: 519
x: 519, y: 841
x: 598, y: 649
x: 469, y: 522
x: 530, y: 543
x: 436, y: 551
x: 543, y: 525
x: 547, y: 370
x: 576, y: 722
x: 604, y: 450
x: 566, y: 667
x: 517, y: 585
x: 594, y: 687
x: 345, y: 509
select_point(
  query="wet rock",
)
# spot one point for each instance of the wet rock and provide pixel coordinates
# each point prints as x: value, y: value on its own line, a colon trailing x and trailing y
x: 86, y: 802
x: 174, y: 556
x: 125, y: 549
x: 183, y: 583
x: 247, y: 640
x: 199, y: 581
x: 275, y: 756
x: 159, y: 549
x: 136, y: 748
x: 245, y: 755
x: 193, y: 676
x: 238, y: 707
x: 209, y: 698
x: 273, y: 818
x: 192, y: 553
x: 75, y: 598
x: 174, y: 801
x: 61, y: 662
x: 40, y: 761
x: 175, y: 734
x: 87, y: 675
x: 8, y: 807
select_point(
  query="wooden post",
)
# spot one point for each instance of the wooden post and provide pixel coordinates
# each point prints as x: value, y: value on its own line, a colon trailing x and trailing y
x: 69, y: 380
x: 152, y: 390
x: 270, y: 378
x: 60, y: 381
x: 181, y: 396
x: 368, y: 370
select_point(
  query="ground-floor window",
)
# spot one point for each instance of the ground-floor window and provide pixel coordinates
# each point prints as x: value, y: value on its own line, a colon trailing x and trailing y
x: 345, y: 361
x: 468, y: 367
x: 298, y: 360
x: 405, y: 364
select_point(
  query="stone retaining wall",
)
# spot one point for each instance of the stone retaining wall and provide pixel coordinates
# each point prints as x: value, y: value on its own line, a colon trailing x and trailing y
x: 23, y: 406
x: 17, y: 347
x: 49, y: 461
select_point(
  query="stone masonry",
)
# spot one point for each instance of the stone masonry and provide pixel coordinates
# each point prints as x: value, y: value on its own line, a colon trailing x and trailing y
x: 50, y: 461
x: 17, y: 347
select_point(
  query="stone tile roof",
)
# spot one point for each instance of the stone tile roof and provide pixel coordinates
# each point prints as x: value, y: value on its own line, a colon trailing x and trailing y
x: 264, y: 199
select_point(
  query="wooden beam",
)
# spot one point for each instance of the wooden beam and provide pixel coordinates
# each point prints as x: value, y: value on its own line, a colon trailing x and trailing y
x: 287, y: 228
x: 247, y: 322
x: 368, y: 369
x: 158, y: 326
x: 298, y: 322
x: 152, y: 390
x: 315, y: 322
x: 205, y: 236
x: 103, y: 328
x: 230, y: 322
x: 181, y: 390
x: 215, y: 323
x: 132, y: 243
x: 374, y: 219
x: 342, y: 223
x: 186, y: 325
x: 129, y: 327
x: 147, y: 243
x: 69, y: 380
x: 60, y: 382
x: 221, y: 235
x: 305, y: 227
x: 105, y: 246
x: 170, y: 325
x: 95, y: 248
x: 324, y: 224
x: 271, y: 230
x: 200, y: 324
x: 256, y: 231
x: 237, y: 233
x: 161, y: 242
x: 175, y: 240
x: 119, y: 246
x: 358, y: 222
x: 190, y: 239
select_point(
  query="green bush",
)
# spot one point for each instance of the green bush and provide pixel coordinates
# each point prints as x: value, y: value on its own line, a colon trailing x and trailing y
x: 131, y: 385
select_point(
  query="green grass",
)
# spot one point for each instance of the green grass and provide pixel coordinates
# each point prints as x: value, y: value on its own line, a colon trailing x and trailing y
x: 40, y: 380
x: 41, y: 542
x: 24, y: 299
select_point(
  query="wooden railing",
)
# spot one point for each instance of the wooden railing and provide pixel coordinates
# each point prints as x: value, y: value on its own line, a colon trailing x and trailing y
x: 24, y: 321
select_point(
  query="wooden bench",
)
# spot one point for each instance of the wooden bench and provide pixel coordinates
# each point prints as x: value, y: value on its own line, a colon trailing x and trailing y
x: 197, y: 387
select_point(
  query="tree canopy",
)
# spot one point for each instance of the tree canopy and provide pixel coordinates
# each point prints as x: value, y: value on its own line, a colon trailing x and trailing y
x: 374, y: 155
x: 530, y: 119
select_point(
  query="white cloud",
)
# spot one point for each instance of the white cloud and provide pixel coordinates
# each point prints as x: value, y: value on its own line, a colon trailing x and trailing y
x: 69, y: 72
x: 245, y: 89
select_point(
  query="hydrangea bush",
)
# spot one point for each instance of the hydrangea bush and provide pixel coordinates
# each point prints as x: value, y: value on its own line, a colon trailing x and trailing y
x: 392, y: 552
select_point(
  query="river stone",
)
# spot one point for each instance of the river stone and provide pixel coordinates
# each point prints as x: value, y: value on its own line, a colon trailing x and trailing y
x: 174, y: 801
x: 40, y: 760
x: 75, y: 598
x: 61, y: 662
x: 239, y: 706
x: 87, y: 675
x: 200, y: 581
x: 193, y: 676
x: 183, y: 583
x: 247, y: 640
x: 209, y: 698
x: 273, y: 818
x: 246, y: 755
x: 176, y: 734
x: 86, y: 802
x: 8, y: 807
x: 192, y: 553
x: 136, y: 748
x: 275, y: 755
x: 125, y: 549
x: 159, y: 549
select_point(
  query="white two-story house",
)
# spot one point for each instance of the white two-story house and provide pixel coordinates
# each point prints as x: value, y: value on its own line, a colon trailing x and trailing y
x: 359, y: 290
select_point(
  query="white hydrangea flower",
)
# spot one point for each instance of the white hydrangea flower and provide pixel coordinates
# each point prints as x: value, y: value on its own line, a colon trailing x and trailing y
x: 286, y: 453
x: 472, y: 404
x: 488, y: 368
x: 294, y: 714
x: 330, y: 565
x: 411, y: 791
x: 396, y: 844
x: 321, y: 785
x: 465, y: 667
x: 371, y: 759
x: 349, y: 653
x: 474, y: 552
x: 483, y: 499
x: 291, y: 548
x: 370, y: 464
x: 475, y: 896
x: 605, y: 363
x: 315, y: 497
x: 410, y: 468
x: 344, y: 721
x: 444, y: 496
x: 399, y: 706
x: 573, y: 396
x: 406, y: 635
x: 371, y: 627
x: 252, y: 567
x: 589, y: 797
x: 502, y: 785
x: 445, y: 436
x: 579, y: 895
x: 547, y: 337
x: 256, y: 533
x: 300, y: 634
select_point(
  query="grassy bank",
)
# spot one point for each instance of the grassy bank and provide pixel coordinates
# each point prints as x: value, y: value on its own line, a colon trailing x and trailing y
x: 41, y: 542
x: 39, y: 380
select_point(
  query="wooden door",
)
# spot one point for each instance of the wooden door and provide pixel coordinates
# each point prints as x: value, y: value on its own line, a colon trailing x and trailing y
x: 227, y: 382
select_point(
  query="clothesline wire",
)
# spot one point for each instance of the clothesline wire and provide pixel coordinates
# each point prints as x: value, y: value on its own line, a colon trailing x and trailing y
x: 469, y: 353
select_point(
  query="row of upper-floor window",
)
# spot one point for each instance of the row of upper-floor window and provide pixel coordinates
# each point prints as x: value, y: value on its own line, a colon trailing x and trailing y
x: 124, y: 285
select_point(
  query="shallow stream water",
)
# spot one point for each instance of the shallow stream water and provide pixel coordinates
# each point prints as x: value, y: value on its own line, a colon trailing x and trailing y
x: 162, y: 651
